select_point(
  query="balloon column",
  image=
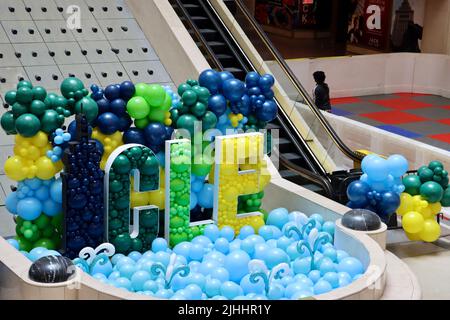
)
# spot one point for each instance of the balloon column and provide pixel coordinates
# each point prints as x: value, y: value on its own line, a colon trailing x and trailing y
x: 36, y: 118
x: 425, y: 194
x: 380, y: 186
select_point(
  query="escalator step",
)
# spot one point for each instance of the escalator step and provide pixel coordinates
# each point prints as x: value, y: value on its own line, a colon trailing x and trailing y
x: 292, y: 156
x: 191, y: 6
x: 222, y: 56
x: 216, y: 44
x: 287, y: 174
x: 312, y: 187
x: 284, y: 141
x: 271, y: 126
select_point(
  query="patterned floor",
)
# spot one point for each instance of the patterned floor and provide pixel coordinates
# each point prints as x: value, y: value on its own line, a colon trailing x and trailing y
x: 425, y: 118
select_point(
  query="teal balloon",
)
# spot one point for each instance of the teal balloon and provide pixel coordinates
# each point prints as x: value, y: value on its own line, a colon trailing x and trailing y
x: 432, y: 191
x: 50, y: 121
x: 187, y: 121
x: 88, y: 107
x: 28, y: 125
x: 8, y: 123
x: 209, y: 121
x: 70, y: 85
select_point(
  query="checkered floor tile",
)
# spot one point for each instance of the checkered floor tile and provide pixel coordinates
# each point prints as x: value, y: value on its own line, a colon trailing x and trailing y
x: 423, y: 117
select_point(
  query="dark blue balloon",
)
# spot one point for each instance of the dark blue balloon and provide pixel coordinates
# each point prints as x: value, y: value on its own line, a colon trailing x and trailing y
x: 127, y: 90
x: 125, y: 123
x: 266, y: 82
x: 210, y: 79
x: 389, y: 203
x: 112, y: 92
x: 103, y: 105
x: 155, y: 133
x: 108, y: 123
x: 233, y: 89
x: 94, y: 88
x: 72, y: 129
x: 224, y: 76
x: 169, y: 132
x: 244, y: 105
x: 217, y: 104
x: 267, y: 112
x: 252, y: 79
x: 134, y: 135
x: 97, y: 95
x: 118, y: 107
x: 254, y: 91
x: 269, y: 94
x: 357, y: 193
x: 99, y: 146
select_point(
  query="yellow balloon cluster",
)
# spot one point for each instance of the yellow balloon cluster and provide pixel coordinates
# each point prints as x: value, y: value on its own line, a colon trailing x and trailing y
x: 418, y: 218
x: 30, y: 160
x: 156, y: 198
x: 235, y: 118
x: 109, y: 142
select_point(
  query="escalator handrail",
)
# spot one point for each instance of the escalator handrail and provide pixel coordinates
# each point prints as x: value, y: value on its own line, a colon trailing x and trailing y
x: 355, y: 156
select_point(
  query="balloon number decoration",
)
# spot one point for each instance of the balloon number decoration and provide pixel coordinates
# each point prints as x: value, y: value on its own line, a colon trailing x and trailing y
x: 380, y: 186
x: 425, y: 194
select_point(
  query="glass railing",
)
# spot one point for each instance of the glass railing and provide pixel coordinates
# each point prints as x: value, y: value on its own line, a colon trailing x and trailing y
x: 328, y: 148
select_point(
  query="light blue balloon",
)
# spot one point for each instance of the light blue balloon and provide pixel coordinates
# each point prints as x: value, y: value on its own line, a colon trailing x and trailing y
x: 278, y: 217
x: 284, y: 242
x: 249, y: 287
x: 51, y: 208
x: 14, y: 243
x: 103, y: 268
x: 314, y: 275
x: 123, y: 282
x: 193, y: 200
x: 248, y: 246
x: 398, y: 165
x: 56, y: 190
x: 222, y: 245
x: 266, y: 232
x: 245, y: 232
x: 228, y: 233
x: 183, y: 249
x: 212, y: 287
x: 260, y: 251
x: 162, y: 257
x: 42, y: 193
x: 114, y: 276
x: 329, y: 227
x: 331, y: 254
x: 219, y: 298
x: 164, y: 293
x: 302, y: 265
x: 159, y: 244
x: 276, y: 292
x: 317, y: 217
x: 294, y: 287
x: 274, y: 257
x: 196, y: 252
x: 236, y: 263
x: 11, y: 202
x: 230, y: 290
x: 135, y: 255
x: 36, y: 253
x: 327, y: 265
x: 138, y: 279
x: 127, y: 270
x: 202, y: 240
x: 178, y: 282
x: 235, y: 245
x: 34, y: 183
x: 220, y: 274
x: 29, y: 208
x: 194, y: 265
x: 196, y: 278
x: 216, y: 256
x: 100, y: 277
x: 293, y: 252
x: 212, y: 232
x: 341, y: 255
x: 322, y: 286
x: 350, y: 265
x: 115, y: 258
x: 377, y: 169
x: 332, y: 278
x: 208, y: 266
x: 194, y: 292
x: 206, y: 196
x: 301, y: 295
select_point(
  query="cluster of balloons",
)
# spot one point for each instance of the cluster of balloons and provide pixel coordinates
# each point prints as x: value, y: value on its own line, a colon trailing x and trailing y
x: 107, y: 144
x: 219, y: 265
x: 251, y: 203
x: 60, y: 142
x: 32, y: 110
x: 380, y: 186
x: 35, y: 253
x: 425, y: 194
x: 78, y: 99
x: 38, y: 206
x: 30, y: 159
x: 202, y: 193
x: 112, y: 107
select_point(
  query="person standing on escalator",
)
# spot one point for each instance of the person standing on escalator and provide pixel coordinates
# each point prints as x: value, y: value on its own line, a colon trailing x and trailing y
x: 321, y: 94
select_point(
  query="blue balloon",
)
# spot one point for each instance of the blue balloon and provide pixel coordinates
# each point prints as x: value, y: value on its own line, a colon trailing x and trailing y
x: 183, y: 249
x: 314, y: 275
x: 127, y: 90
x: 139, y: 278
x: 212, y: 232
x: 230, y: 290
x: 222, y: 245
x: 244, y: 105
x: 193, y: 201
x: 51, y: 208
x: 108, y: 123
x: 246, y: 231
x: 14, y: 243
x: 202, y: 240
x: 224, y: 76
x: 357, y: 193
x: 134, y: 135
x: 124, y: 123
x: 266, y: 82
x: 249, y: 287
x: 56, y: 191
x: 29, y: 208
x: 159, y: 244
x: 112, y: 92
x: 210, y: 79
x: 155, y: 133
x: 376, y: 168
x: 398, y: 165
x: 322, y: 286
x: 206, y: 196
x: 267, y: 112
x: 212, y: 287
x: 275, y: 256
x: 236, y: 263
x: 278, y: 217
x: 196, y: 185
x: 103, y: 105
x: 196, y: 252
x: 217, y: 104
x: 350, y: 265
x: 233, y: 89
x: 390, y: 201
x: 72, y: 129
x: 266, y: 232
x: 118, y: 107
x: 11, y: 203
x: 227, y: 232
x: 135, y: 255
x: 36, y: 253
x: 252, y: 79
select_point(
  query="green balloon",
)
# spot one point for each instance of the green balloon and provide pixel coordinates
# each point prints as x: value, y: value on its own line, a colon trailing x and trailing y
x: 50, y: 100
x: 42, y: 221
x: 138, y: 107
x: 10, y: 97
x: 431, y: 191
x: 122, y: 164
x: 8, y: 123
x: 155, y: 95
x: 426, y: 175
x: 24, y: 84
x: 27, y: 125
x: 136, y: 244
x: 412, y: 184
x: 24, y: 244
x: 38, y: 107
x: 209, y: 120
x: 122, y: 242
x: 70, y: 85
x: 445, y: 202
x: 182, y: 88
x: 157, y: 115
x: 202, y: 93
x: 18, y: 109
x: 444, y: 182
x: 141, y: 123
x: 88, y: 107
x: 45, y: 243
x: 192, y: 82
x: 198, y: 109
x: 435, y: 164
x: 187, y: 121
x: 167, y: 103
x: 50, y: 121
x: 39, y: 93
x: 150, y: 166
x: 140, y: 89
x: 189, y: 97
x: 174, y: 114
x: 201, y: 166
x: 24, y: 95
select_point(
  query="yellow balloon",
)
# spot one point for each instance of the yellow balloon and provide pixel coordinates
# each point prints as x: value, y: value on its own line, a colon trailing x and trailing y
x: 33, y: 153
x: 413, y: 222
x: 46, y: 169
x: 162, y: 178
x: 431, y: 231
x: 40, y: 139
x: 413, y: 236
x: 156, y: 198
x: 406, y: 204
x: 14, y: 168
x: 426, y: 213
x: 435, y: 208
x: 419, y: 203
x: 138, y: 199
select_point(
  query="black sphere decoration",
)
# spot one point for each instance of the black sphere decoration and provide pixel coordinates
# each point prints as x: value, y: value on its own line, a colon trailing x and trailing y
x: 51, y: 269
x: 361, y: 220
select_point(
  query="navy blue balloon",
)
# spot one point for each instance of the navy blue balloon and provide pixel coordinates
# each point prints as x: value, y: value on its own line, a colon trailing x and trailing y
x: 390, y: 201
x: 254, y: 91
x: 108, y: 123
x: 210, y: 79
x: 169, y: 132
x: 127, y: 90
x: 99, y: 146
x: 266, y: 82
x: 244, y: 105
x: 97, y: 95
x: 252, y: 79
x: 267, y: 111
x: 357, y: 193
x: 112, y: 92
x: 134, y: 135
x: 103, y: 105
x: 125, y: 123
x: 118, y: 107
x: 94, y: 88
x: 217, y: 104
x: 269, y: 94
x: 233, y: 89
x: 155, y: 133
x: 72, y: 129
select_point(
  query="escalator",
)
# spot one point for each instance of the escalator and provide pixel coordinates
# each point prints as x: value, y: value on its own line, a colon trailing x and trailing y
x: 297, y: 161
